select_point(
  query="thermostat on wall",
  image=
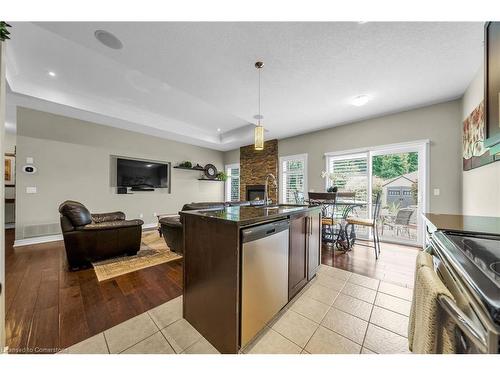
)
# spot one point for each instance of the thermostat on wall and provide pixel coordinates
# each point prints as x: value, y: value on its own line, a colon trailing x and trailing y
x: 29, y: 168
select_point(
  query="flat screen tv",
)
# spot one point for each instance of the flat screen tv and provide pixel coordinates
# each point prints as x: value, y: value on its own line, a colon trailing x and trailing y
x: 141, y: 175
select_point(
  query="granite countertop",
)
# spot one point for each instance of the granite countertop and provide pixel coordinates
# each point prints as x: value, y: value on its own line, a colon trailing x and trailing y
x: 464, y: 223
x: 247, y: 215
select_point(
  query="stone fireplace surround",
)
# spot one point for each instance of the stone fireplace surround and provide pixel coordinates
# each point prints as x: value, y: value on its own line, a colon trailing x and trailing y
x: 256, y: 165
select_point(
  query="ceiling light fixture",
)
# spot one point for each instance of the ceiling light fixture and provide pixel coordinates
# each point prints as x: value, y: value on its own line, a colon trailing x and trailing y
x: 259, y: 129
x: 219, y: 129
x: 51, y: 73
x: 108, y: 39
x: 360, y: 100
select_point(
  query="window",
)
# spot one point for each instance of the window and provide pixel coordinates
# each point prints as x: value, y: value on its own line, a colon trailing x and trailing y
x: 232, y: 183
x: 293, y: 178
x: 350, y: 173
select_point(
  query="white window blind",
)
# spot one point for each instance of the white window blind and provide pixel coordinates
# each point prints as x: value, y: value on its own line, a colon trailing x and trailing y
x: 293, y: 179
x: 350, y: 173
x: 233, y: 182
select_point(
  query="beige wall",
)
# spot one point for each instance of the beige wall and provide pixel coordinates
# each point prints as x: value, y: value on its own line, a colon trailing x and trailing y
x: 481, y: 186
x: 9, y: 143
x: 73, y: 162
x: 232, y: 157
x: 439, y: 123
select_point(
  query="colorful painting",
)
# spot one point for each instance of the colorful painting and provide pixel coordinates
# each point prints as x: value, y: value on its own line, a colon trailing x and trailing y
x: 10, y: 169
x: 474, y: 154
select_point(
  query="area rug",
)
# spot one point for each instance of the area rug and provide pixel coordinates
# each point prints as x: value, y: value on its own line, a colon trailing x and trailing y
x: 153, y: 251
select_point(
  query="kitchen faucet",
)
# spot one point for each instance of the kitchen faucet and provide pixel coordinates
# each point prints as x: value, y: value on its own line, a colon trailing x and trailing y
x: 266, y: 188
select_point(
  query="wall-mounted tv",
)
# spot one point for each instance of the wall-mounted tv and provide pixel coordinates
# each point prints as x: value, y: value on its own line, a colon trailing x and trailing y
x: 141, y: 174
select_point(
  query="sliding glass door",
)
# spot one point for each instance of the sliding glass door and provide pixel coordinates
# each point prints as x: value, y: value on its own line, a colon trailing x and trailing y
x: 349, y: 173
x: 395, y: 175
x: 398, y: 174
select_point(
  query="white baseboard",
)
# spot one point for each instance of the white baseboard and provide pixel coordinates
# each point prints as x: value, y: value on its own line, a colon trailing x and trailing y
x: 37, y: 240
x: 150, y: 226
x: 59, y: 237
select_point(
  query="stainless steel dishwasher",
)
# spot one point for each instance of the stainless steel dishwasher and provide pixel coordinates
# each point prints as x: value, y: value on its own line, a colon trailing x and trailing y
x: 264, y: 280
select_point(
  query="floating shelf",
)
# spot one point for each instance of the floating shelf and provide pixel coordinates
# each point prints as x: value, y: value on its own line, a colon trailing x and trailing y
x: 209, y: 179
x: 190, y: 169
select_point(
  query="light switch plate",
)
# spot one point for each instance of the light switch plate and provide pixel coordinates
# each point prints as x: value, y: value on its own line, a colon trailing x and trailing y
x: 29, y: 160
x: 437, y: 192
x: 31, y: 190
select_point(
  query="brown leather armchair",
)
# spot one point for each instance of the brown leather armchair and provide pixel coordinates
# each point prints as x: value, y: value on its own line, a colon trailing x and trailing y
x: 91, y: 237
x: 171, y: 226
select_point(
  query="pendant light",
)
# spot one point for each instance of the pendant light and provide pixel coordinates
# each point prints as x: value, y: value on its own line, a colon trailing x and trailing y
x: 259, y: 129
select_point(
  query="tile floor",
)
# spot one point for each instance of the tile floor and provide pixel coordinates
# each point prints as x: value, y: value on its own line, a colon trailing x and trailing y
x: 338, y: 312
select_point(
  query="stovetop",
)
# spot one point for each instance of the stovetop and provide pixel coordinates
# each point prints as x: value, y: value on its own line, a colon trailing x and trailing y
x: 479, y: 258
x: 483, y: 251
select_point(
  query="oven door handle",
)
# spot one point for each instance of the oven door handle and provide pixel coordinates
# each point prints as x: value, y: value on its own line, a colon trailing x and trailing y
x: 463, y: 322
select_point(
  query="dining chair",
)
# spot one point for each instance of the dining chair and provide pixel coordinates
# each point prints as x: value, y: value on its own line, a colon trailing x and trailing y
x: 368, y: 223
x: 330, y: 225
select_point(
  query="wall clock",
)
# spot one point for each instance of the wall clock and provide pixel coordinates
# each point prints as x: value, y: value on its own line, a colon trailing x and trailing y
x: 210, y: 171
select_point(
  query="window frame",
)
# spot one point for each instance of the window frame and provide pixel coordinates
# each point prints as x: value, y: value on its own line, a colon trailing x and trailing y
x: 282, y: 159
x: 227, y: 183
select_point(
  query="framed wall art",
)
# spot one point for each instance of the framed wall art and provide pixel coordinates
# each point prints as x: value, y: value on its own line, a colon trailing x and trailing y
x: 492, y: 85
x: 10, y: 169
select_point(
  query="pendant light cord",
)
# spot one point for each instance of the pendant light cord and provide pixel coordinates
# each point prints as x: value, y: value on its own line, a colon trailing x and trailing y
x: 259, y: 96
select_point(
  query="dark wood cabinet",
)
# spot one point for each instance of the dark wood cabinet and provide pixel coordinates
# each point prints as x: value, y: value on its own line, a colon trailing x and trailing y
x: 314, y: 244
x: 212, y: 267
x: 297, y: 263
x: 304, y: 256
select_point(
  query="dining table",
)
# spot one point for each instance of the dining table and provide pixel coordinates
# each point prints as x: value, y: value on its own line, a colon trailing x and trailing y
x: 342, y: 239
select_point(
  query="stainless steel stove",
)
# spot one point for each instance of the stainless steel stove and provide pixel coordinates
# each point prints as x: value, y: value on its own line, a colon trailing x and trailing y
x: 469, y: 266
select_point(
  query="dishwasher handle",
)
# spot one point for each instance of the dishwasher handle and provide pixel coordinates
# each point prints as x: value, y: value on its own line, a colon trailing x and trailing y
x: 264, y: 230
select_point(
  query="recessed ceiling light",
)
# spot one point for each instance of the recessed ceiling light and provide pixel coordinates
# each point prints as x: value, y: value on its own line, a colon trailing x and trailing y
x: 108, y: 39
x: 218, y: 129
x: 362, y: 22
x: 360, y: 100
x: 51, y: 73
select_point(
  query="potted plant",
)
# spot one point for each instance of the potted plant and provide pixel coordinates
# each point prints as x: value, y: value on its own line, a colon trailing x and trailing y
x: 222, y: 176
x: 334, y: 178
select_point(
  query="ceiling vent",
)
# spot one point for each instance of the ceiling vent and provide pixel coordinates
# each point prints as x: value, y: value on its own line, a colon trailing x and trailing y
x: 108, y: 39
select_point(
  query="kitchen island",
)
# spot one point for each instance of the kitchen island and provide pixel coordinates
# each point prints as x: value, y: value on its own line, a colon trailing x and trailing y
x: 242, y: 264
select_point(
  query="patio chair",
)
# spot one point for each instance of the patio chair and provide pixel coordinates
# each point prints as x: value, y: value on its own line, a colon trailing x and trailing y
x: 401, y: 223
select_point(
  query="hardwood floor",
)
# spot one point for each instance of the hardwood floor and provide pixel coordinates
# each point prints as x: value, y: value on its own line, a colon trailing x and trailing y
x: 396, y: 263
x: 49, y: 308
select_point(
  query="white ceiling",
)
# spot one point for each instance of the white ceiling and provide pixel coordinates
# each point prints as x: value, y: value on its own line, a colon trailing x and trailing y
x: 184, y: 80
